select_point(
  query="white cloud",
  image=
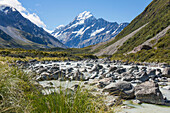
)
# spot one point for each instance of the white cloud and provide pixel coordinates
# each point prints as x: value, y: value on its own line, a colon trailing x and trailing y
x: 32, y: 17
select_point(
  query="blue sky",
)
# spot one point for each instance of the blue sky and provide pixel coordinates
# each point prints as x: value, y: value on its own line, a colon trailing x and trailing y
x: 57, y: 12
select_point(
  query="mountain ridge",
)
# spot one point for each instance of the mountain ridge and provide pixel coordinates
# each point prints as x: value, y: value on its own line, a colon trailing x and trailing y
x: 86, y: 30
x: 23, y: 31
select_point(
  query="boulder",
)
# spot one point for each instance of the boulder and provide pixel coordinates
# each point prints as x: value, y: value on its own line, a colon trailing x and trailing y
x: 166, y: 72
x: 104, y: 82
x: 57, y: 75
x: 97, y: 68
x: 121, y: 70
x: 41, y: 70
x: 127, y: 77
x: 149, y: 92
x: 78, y: 75
x: 68, y: 63
x: 53, y: 69
x: 44, y: 76
x: 151, y: 72
x: 142, y: 76
x: 123, y: 89
x: 133, y: 68
x: 111, y: 69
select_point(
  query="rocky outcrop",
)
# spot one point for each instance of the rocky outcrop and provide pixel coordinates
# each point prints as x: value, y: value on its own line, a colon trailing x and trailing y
x: 149, y: 92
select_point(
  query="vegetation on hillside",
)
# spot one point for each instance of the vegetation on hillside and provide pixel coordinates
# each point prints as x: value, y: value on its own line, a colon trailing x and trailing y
x: 156, y: 14
x: 159, y: 52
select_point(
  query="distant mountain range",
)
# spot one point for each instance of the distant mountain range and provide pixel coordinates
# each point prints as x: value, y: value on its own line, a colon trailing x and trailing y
x: 19, y: 32
x: 86, y: 30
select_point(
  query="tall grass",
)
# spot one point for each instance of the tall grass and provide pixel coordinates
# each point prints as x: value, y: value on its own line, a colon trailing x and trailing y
x: 20, y: 93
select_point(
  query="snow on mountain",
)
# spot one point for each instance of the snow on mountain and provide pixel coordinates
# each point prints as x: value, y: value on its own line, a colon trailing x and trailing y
x: 97, y: 31
x: 84, y: 15
x: 60, y: 27
x: 86, y: 30
x: 6, y: 9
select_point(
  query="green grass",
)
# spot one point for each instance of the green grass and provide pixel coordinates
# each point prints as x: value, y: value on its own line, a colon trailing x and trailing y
x: 60, y: 55
x: 19, y: 93
x: 160, y: 52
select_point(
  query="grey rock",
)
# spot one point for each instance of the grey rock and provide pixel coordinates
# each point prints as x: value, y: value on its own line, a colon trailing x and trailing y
x: 44, y: 76
x: 167, y: 87
x: 123, y: 89
x: 111, y: 69
x: 142, y: 76
x: 149, y: 92
x: 166, y: 72
x: 151, y: 72
x: 41, y: 70
x: 137, y: 102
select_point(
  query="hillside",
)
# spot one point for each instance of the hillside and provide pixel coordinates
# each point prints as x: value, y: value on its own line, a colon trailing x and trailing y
x: 152, y: 21
x: 19, y: 32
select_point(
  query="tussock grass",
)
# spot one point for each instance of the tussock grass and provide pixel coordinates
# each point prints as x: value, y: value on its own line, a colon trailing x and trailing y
x: 20, y: 93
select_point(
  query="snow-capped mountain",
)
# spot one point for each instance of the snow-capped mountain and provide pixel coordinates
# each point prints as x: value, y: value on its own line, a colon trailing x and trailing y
x: 86, y: 30
x: 19, y: 32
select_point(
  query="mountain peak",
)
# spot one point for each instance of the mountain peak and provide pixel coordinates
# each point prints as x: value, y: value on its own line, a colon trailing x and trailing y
x: 60, y: 26
x: 6, y: 8
x: 84, y: 15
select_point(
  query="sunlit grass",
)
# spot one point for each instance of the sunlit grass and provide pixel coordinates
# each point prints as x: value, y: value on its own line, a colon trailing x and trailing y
x: 20, y: 93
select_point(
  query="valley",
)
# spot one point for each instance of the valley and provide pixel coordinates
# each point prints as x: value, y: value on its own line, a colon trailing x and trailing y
x: 90, y: 65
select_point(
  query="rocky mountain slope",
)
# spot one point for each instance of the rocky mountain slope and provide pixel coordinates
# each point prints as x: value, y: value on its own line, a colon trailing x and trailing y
x: 150, y: 28
x: 86, y: 30
x: 18, y: 32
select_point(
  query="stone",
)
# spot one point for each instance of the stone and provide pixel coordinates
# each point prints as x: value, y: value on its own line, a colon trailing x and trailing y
x: 166, y: 72
x: 53, y: 69
x: 68, y: 63
x: 142, y: 76
x: 167, y: 87
x: 57, y: 75
x: 41, y: 70
x: 149, y: 92
x: 97, y: 68
x: 144, y: 68
x: 127, y: 77
x: 151, y: 72
x: 44, y: 76
x: 137, y: 102
x: 94, y: 76
x: 114, y: 102
x: 121, y: 70
x: 133, y: 68
x: 123, y: 89
x: 162, y: 84
x: 111, y: 69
